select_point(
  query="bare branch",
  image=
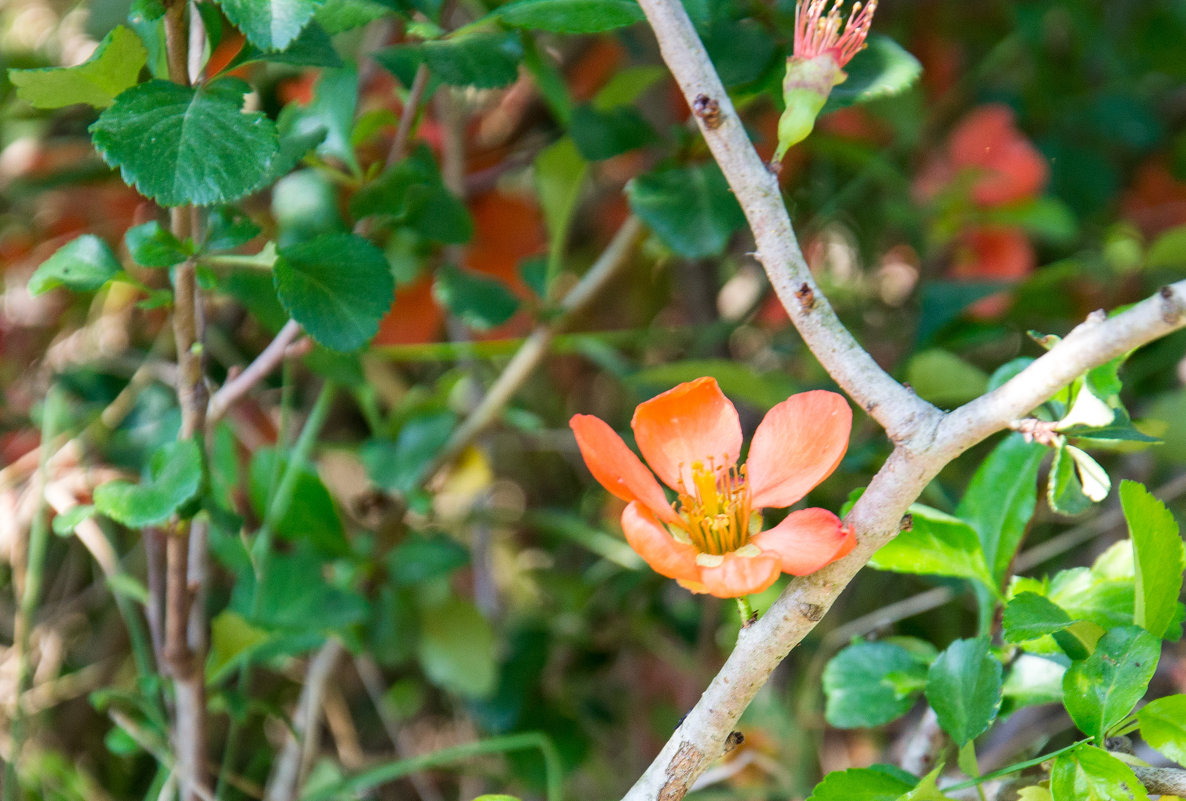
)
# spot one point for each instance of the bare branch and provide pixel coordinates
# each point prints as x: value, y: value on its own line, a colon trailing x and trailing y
x: 896, y: 408
x: 265, y: 363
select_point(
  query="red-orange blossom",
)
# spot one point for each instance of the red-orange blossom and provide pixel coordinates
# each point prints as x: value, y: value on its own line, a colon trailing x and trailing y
x: 711, y: 539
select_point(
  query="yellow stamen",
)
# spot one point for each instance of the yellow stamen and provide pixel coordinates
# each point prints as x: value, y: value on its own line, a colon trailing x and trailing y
x: 716, y: 511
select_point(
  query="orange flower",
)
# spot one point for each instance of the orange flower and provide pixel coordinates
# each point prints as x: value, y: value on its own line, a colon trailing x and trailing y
x: 711, y: 540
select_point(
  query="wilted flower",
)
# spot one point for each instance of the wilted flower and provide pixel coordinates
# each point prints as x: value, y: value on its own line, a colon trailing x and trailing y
x: 711, y: 539
x: 824, y: 44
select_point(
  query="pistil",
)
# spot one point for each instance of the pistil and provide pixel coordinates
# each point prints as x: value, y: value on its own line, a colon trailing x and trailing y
x: 716, y: 512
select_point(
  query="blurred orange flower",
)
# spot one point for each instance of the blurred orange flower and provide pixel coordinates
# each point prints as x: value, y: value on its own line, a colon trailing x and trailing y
x: 711, y: 540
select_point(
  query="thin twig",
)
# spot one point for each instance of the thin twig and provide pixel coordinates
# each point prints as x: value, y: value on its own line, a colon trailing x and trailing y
x: 535, y: 347
x: 407, y: 117
x: 234, y: 389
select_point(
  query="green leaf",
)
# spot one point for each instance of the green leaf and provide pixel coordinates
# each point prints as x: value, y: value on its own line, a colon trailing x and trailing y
x: 419, y: 559
x: 337, y: 286
x: 737, y: 379
x: 883, y: 69
x: 1065, y: 492
x: 335, y: 99
x: 1159, y: 558
x: 605, y: 134
x: 82, y: 265
x: 65, y: 523
x: 174, y: 477
x: 1079, y: 639
x: 570, y: 16
x: 876, y: 783
x: 413, y: 194
x: 927, y: 789
x: 298, y: 595
x: 1088, y: 773
x: 481, y: 60
x: 559, y: 173
x: 480, y: 302
x: 1103, y: 688
x: 456, y: 648
x: 1163, y: 726
x: 690, y: 208
x: 179, y: 144
x: 228, y: 228
x: 312, y: 48
x: 396, y: 466
x: 312, y: 515
x: 114, y: 67
x: 231, y: 638
x: 859, y: 683
x: 1029, y: 616
x: 935, y: 544
x: 270, y: 25
x: 964, y: 688
x: 344, y: 15
x: 154, y: 246
x: 1000, y: 500
x: 1092, y: 477
x: 944, y: 378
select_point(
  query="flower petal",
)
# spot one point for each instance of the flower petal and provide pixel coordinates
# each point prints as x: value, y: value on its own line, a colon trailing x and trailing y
x: 665, y: 555
x: 797, y: 445
x: 806, y: 541
x: 693, y: 422
x: 740, y: 575
x: 616, y: 467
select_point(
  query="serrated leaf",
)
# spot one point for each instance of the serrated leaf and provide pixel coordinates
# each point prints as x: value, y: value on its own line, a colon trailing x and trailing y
x: 1100, y: 690
x: 152, y: 245
x: 1029, y: 616
x: 964, y: 689
x: 570, y: 16
x: 1088, y: 773
x: 228, y: 228
x: 481, y: 302
x: 114, y: 66
x: 174, y: 477
x: 1159, y: 558
x: 270, y: 24
x: 337, y: 286
x: 312, y: 48
x: 859, y: 688
x: 413, y: 194
x: 690, y: 208
x: 1163, y: 726
x: 876, y: 783
x: 935, y: 544
x: 882, y: 69
x: 1000, y: 499
x: 179, y: 144
x: 82, y: 265
x: 335, y: 100
x: 456, y: 648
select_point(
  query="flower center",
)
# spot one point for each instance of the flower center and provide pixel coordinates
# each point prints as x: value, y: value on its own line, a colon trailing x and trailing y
x: 716, y: 509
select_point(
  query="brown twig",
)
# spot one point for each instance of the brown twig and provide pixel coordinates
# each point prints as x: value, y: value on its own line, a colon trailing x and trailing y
x: 407, y: 117
x: 234, y: 389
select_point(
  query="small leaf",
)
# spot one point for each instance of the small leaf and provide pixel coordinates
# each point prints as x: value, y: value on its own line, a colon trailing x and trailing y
x: 935, y: 544
x: 228, y: 228
x: 570, y: 16
x: 1159, y: 555
x: 859, y: 687
x: 82, y: 265
x: 1088, y: 773
x: 456, y: 648
x: 1029, y: 616
x: 396, y: 466
x: 1168, y: 249
x: 605, y: 134
x: 1163, y: 726
x: 944, y: 378
x: 413, y: 194
x: 1092, y: 477
x: 481, y: 302
x: 312, y: 48
x: 1103, y: 688
x: 299, y: 596
x: 174, y: 477
x: 337, y: 286
x: 690, y: 208
x: 419, y: 559
x: 882, y: 69
x: 65, y: 523
x: 114, y: 67
x: 876, y: 783
x: 1065, y: 493
x: 179, y: 144
x: 927, y: 789
x: 153, y: 246
x: 1033, y: 680
x: 964, y: 689
x: 270, y: 25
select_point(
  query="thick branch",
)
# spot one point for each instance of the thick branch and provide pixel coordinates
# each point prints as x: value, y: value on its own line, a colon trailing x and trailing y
x: 896, y: 408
